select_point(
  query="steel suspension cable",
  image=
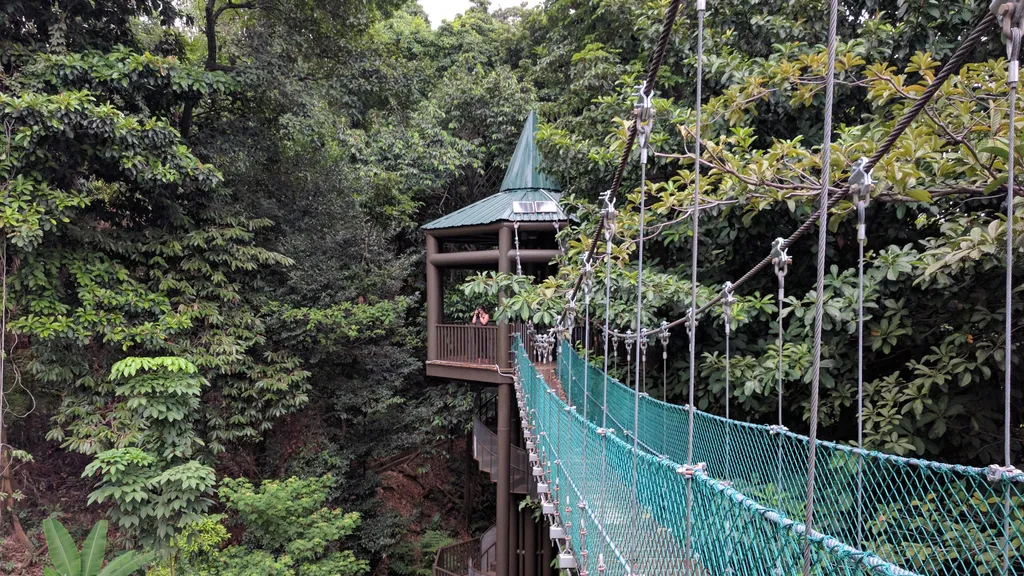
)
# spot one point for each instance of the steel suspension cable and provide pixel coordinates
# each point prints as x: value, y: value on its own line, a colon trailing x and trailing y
x: 643, y: 128
x: 583, y: 503
x: 692, y: 325
x: 609, y: 234
x: 727, y: 310
x: 819, y: 301
x: 1013, y: 56
x: 780, y: 259
x: 861, y: 198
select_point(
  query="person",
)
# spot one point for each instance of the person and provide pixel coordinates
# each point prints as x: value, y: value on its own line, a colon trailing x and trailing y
x: 480, y: 317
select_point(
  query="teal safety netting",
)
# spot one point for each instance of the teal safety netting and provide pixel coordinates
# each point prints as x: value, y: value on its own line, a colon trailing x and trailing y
x: 924, y: 517
x: 644, y: 530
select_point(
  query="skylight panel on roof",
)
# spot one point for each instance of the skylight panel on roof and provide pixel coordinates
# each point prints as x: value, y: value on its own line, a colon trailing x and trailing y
x: 545, y: 206
x: 525, y: 207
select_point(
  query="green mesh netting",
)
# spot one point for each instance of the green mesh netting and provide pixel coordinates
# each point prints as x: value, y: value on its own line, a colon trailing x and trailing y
x: 912, y: 515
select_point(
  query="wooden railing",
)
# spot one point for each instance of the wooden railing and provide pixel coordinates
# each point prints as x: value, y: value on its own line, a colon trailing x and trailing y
x: 467, y: 344
x: 478, y: 345
x: 455, y: 560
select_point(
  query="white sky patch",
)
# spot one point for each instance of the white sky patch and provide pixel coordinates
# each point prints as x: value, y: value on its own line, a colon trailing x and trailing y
x: 439, y: 10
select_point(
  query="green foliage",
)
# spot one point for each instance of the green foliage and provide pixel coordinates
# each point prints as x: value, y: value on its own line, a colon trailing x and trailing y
x: 197, y: 540
x: 416, y: 557
x: 68, y: 561
x: 288, y: 530
x: 144, y: 447
x: 153, y: 500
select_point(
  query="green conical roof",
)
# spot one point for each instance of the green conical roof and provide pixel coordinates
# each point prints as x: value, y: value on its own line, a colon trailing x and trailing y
x: 524, y: 184
x: 524, y: 170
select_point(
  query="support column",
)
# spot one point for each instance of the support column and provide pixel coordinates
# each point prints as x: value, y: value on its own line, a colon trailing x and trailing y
x: 545, y: 546
x: 531, y: 544
x: 504, y: 343
x: 435, y: 297
x: 513, y: 530
x: 502, y: 546
x: 506, y: 547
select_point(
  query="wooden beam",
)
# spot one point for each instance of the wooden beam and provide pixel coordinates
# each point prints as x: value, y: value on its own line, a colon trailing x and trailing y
x: 463, y: 259
x: 435, y: 298
x: 468, y: 230
x: 534, y: 256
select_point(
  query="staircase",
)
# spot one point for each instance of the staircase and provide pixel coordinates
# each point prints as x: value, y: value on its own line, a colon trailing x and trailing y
x: 474, y: 557
x: 485, y: 450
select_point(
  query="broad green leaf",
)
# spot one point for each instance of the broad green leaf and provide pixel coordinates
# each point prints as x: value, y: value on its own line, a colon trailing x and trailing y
x: 995, y: 184
x: 127, y: 563
x: 94, y: 548
x: 47, y: 571
x: 63, y: 552
x: 920, y: 195
x: 995, y: 150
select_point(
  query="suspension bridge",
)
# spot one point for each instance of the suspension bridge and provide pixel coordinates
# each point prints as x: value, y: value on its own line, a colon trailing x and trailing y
x: 630, y: 485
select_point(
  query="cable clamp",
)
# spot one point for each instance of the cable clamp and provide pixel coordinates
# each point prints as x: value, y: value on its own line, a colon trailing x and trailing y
x: 663, y: 335
x: 691, y: 322
x: 777, y: 429
x: 728, y: 301
x: 997, y: 473
x: 643, y: 110
x: 1008, y: 16
x: 688, y: 470
x: 780, y: 257
x: 861, y: 187
x: 609, y: 216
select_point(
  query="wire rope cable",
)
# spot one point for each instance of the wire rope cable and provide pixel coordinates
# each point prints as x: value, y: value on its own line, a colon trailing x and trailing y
x: 1013, y: 73
x: 819, y: 301
x: 644, y: 120
x: 609, y: 234
x: 692, y: 325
